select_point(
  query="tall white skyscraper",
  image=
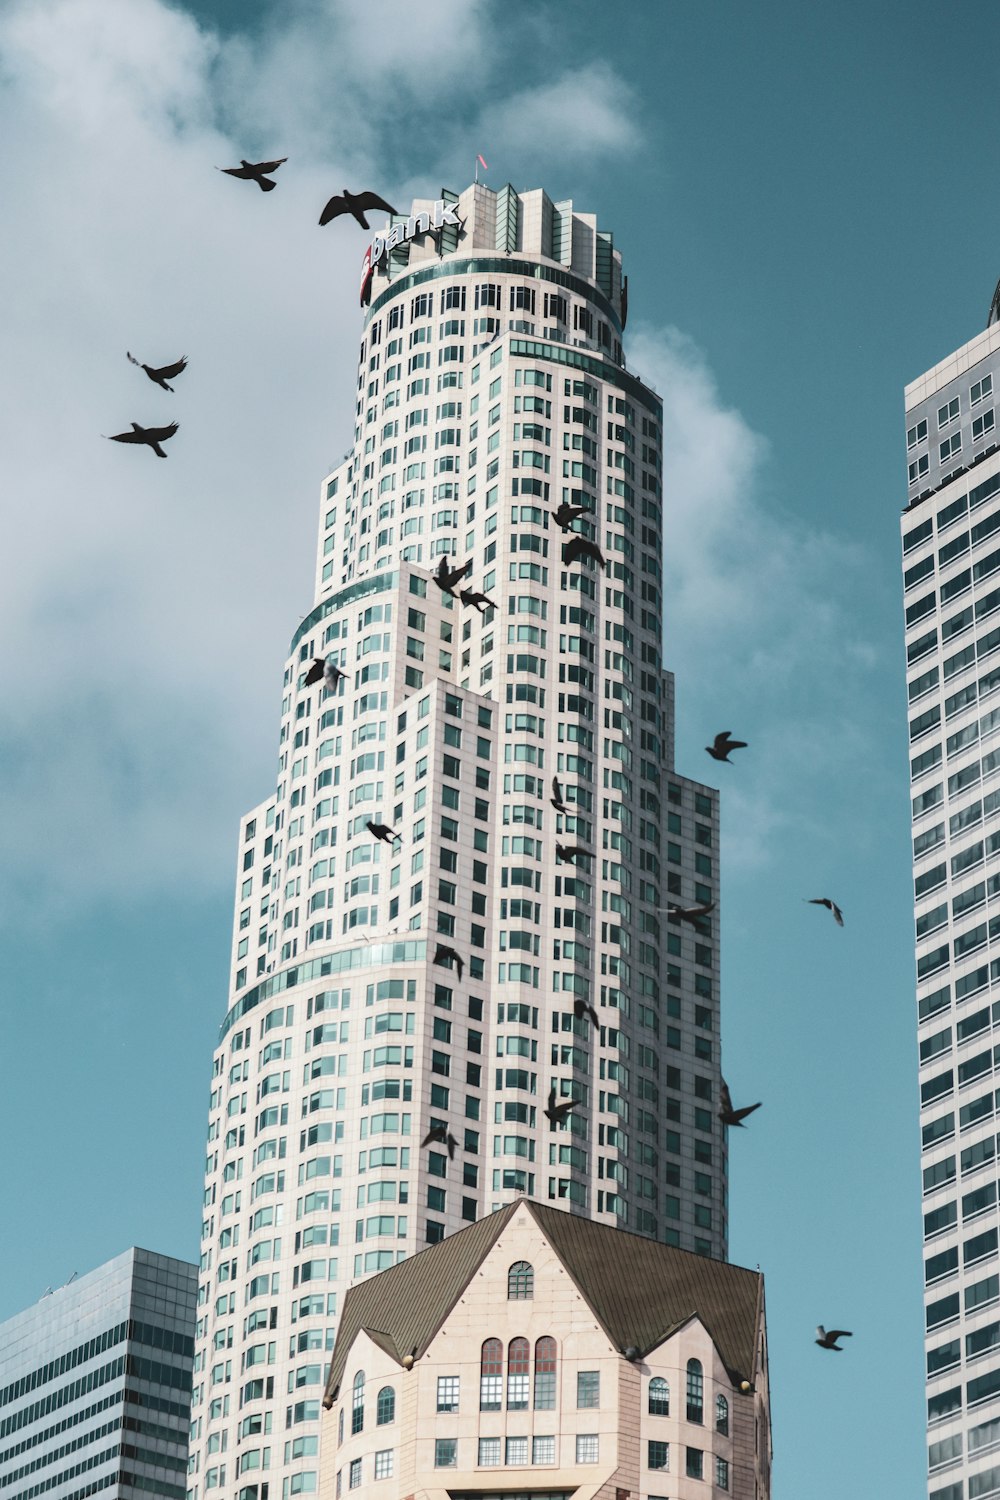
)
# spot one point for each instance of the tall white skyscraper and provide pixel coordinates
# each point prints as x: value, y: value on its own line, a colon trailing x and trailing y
x: 951, y: 563
x: 507, y: 943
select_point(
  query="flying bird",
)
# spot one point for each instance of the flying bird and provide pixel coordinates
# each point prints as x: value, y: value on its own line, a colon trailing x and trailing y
x: 692, y: 914
x: 557, y: 1112
x: 730, y: 1116
x: 581, y: 546
x: 441, y: 1136
x: 382, y: 831
x: 583, y: 1008
x: 254, y: 171
x: 357, y: 204
x: 446, y: 578
x: 838, y: 915
x: 569, y: 853
x: 327, y: 670
x: 467, y: 596
x: 442, y: 956
x: 557, y: 797
x: 722, y: 744
x: 164, y: 373
x: 567, y: 514
x: 151, y: 436
x: 827, y: 1340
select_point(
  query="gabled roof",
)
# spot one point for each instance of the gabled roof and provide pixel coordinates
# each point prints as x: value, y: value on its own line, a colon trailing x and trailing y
x: 639, y: 1290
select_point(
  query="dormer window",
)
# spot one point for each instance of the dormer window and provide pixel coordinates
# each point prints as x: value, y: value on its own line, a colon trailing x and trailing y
x: 520, y: 1281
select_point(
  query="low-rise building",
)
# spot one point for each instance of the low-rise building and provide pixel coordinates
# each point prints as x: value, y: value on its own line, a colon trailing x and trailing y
x: 541, y: 1353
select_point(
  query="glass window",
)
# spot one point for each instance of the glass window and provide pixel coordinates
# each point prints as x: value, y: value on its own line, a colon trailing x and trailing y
x: 588, y: 1388
x: 659, y: 1398
x: 383, y: 1463
x: 520, y: 1281
x: 586, y: 1448
x: 518, y: 1375
x: 517, y: 1450
x: 445, y: 1453
x: 491, y: 1376
x: 358, y: 1403
x: 543, y: 1450
x: 489, y: 1452
x: 695, y: 1467
x: 658, y: 1456
x: 385, y: 1407
x: 545, y: 1374
x: 447, y: 1393
x: 722, y: 1473
x: 355, y: 1473
x: 695, y: 1391
x: 722, y: 1415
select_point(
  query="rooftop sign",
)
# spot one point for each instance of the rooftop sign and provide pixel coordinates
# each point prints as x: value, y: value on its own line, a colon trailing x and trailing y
x: 415, y: 226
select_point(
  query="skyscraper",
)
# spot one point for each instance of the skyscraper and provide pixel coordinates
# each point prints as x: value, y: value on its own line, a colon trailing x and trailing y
x: 95, y: 1384
x: 499, y: 944
x: 951, y: 563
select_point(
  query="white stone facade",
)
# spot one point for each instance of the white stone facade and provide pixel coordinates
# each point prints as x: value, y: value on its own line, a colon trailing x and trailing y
x: 491, y: 389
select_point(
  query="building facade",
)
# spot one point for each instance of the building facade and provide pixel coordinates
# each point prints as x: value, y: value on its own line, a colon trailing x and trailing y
x: 951, y: 563
x: 588, y: 1360
x: 505, y: 949
x: 95, y: 1384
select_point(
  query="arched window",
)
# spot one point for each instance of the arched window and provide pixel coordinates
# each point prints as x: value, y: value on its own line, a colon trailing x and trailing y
x: 695, y: 1391
x: 518, y: 1374
x: 722, y: 1415
x: 385, y: 1407
x: 491, y: 1376
x: 520, y: 1281
x: 545, y: 1374
x: 358, y: 1403
x: 659, y: 1398
x: 340, y: 1426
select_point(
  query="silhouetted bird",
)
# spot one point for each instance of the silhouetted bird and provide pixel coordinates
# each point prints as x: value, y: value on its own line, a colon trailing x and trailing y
x: 440, y: 1135
x: 569, y: 853
x: 581, y: 546
x: 730, y: 1116
x: 382, y: 831
x: 327, y: 670
x: 722, y: 744
x: 692, y: 914
x: 557, y: 1112
x: 838, y: 915
x: 446, y: 578
x: 254, y: 171
x: 582, y: 1008
x: 444, y: 954
x: 567, y: 514
x: 557, y: 797
x: 829, y: 1340
x: 354, y: 203
x: 468, y: 597
x: 151, y: 436
x: 164, y: 373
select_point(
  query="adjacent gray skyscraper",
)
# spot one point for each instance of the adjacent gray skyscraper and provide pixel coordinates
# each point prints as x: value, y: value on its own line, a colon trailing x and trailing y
x: 504, y: 940
x: 95, y: 1384
x: 951, y: 562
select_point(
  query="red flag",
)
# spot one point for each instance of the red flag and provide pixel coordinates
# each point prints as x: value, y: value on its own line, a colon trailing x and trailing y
x: 485, y: 167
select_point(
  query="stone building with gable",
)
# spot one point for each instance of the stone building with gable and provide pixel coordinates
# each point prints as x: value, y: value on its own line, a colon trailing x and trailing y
x: 538, y: 1353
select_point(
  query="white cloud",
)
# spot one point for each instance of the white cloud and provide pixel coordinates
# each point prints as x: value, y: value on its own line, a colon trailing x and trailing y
x: 588, y: 112
x: 148, y: 604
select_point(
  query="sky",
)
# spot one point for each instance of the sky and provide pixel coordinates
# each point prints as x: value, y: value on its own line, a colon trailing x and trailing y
x: 800, y: 198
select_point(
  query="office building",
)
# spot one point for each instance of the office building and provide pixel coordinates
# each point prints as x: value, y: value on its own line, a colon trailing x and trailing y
x: 95, y: 1384
x: 506, y: 943
x: 588, y: 1359
x: 951, y: 562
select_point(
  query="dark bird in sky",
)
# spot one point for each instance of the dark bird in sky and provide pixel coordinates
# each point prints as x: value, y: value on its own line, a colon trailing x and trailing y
x: 722, y: 744
x: 838, y: 915
x: 445, y: 956
x: 583, y: 1008
x: 730, y: 1116
x: 692, y: 914
x: 254, y: 171
x: 569, y: 853
x: 581, y: 546
x: 357, y: 204
x: 382, y: 831
x: 567, y: 514
x: 446, y: 578
x: 440, y: 1135
x: 151, y: 436
x: 467, y: 596
x: 557, y: 796
x: 557, y: 1112
x: 327, y: 670
x: 164, y: 373
x: 827, y: 1340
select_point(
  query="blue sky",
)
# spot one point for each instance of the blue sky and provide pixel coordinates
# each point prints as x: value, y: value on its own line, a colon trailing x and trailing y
x: 803, y: 200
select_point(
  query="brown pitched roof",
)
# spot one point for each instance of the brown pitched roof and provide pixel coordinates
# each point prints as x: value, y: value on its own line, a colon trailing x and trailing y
x: 640, y: 1291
